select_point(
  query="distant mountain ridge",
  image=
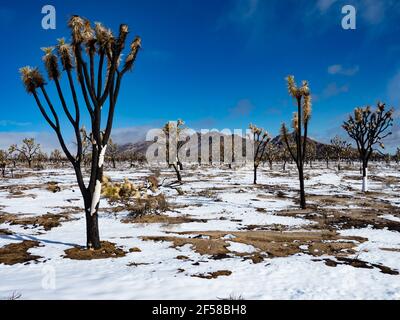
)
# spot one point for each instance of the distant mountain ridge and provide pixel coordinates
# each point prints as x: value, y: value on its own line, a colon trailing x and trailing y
x: 141, y: 147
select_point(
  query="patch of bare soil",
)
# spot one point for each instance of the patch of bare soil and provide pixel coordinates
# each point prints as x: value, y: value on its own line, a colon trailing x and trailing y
x: 5, y: 232
x: 18, y: 252
x: 269, y: 227
x: 180, y: 257
x: 356, y: 263
x: 274, y: 244
x: 387, y: 180
x: 72, y: 209
x: 213, y: 247
x: 355, y: 213
x: 135, y: 264
x: 160, y: 218
x: 47, y: 221
x: 212, y: 275
x: 107, y: 250
x: 17, y: 193
x: 207, y: 193
x: 391, y: 249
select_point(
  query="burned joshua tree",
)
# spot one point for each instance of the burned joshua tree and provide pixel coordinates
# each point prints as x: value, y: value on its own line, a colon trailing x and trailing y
x: 56, y: 156
x: 3, y: 162
x: 368, y: 128
x: 272, y: 154
x: 112, y: 152
x: 327, y: 153
x: 94, y: 55
x: 340, y: 149
x: 28, y: 150
x: 261, y: 139
x: 173, y: 133
x: 300, y: 120
x: 397, y: 156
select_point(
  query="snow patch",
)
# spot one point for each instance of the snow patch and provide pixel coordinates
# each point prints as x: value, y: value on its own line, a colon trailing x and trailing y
x: 241, y: 247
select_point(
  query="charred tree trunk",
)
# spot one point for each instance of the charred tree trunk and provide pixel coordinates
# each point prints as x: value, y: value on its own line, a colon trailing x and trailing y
x: 302, y: 191
x: 364, y: 176
x: 301, y: 148
x: 92, y: 225
x: 178, y: 173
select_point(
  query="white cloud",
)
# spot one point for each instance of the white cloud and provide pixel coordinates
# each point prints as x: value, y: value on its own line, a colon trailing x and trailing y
x: 333, y: 89
x: 339, y: 69
x: 324, y: 5
x: 374, y: 11
x: 7, y: 123
x: 244, y: 10
x: 242, y: 108
x: 393, y: 90
x: 131, y: 134
x: 47, y: 140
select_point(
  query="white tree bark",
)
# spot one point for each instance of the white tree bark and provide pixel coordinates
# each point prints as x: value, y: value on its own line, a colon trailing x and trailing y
x: 365, y: 181
x: 96, y: 197
x: 102, y: 155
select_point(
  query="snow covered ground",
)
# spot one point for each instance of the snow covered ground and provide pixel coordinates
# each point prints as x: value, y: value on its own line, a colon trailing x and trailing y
x: 215, y: 199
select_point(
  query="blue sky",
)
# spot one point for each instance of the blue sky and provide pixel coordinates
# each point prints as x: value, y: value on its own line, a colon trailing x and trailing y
x: 218, y: 64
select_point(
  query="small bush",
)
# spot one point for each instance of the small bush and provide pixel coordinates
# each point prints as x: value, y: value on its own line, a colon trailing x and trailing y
x: 138, y: 199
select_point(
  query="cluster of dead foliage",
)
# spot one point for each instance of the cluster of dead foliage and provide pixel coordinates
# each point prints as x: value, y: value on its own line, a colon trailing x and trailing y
x: 137, y: 199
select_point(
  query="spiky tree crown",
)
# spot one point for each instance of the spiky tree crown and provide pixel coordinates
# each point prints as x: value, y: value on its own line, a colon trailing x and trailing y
x: 369, y: 127
x: 366, y: 115
x: 65, y: 54
x: 180, y: 126
x: 51, y: 63
x: 260, y: 132
x: 31, y: 78
x: 299, y: 93
x: 98, y: 39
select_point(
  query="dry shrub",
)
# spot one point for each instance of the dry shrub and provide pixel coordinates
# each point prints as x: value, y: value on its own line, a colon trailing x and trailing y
x: 138, y: 199
x: 146, y: 205
x: 53, y: 187
x: 152, y: 183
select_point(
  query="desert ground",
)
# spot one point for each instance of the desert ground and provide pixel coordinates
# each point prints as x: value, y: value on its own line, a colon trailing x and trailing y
x: 220, y: 237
